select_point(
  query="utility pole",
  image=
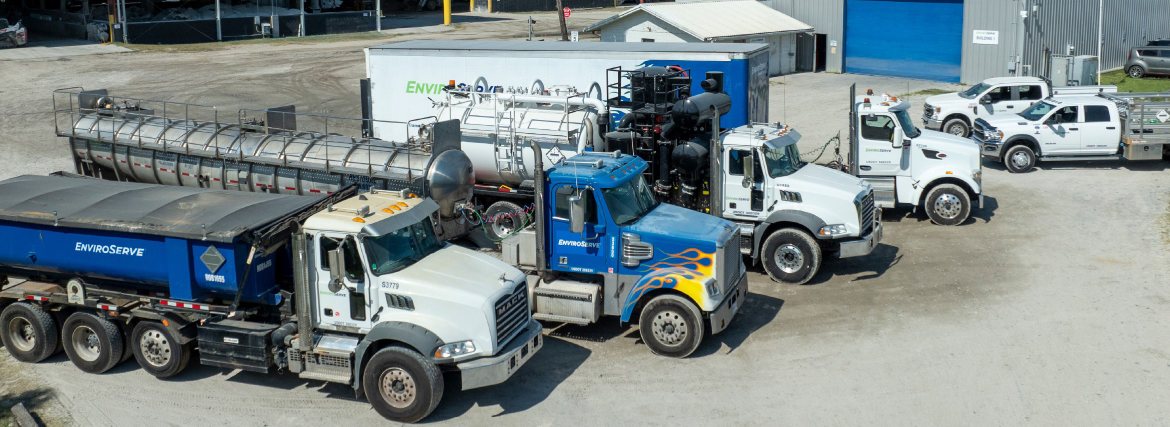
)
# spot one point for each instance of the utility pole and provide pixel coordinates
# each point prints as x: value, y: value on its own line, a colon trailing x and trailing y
x: 531, y: 22
x: 564, y: 29
x: 1100, y: 38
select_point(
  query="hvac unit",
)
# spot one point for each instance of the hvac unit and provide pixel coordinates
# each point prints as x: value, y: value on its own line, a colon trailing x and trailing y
x: 1069, y: 70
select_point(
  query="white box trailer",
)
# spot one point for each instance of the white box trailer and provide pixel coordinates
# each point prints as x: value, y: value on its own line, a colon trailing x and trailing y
x: 406, y: 77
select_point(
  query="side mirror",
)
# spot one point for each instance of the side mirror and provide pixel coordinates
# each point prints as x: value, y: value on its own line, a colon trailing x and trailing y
x: 577, y: 213
x: 985, y: 100
x: 1056, y: 119
x: 336, y: 270
x: 898, y: 139
x: 749, y: 170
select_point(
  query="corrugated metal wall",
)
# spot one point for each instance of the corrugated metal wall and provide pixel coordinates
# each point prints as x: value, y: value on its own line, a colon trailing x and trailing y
x: 826, y: 17
x: 981, y: 61
x: 1052, y: 26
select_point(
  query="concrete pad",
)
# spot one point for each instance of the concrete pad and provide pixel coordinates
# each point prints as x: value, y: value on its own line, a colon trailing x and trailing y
x: 58, y: 48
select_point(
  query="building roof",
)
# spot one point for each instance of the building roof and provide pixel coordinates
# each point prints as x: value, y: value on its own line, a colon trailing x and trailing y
x: 558, y: 46
x: 709, y: 21
x: 147, y: 209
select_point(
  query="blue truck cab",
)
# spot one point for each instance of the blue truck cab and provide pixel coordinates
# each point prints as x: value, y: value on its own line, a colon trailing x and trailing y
x: 613, y: 249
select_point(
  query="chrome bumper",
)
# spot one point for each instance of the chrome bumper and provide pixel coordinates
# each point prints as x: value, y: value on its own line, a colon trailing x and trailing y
x: 990, y: 149
x: 496, y: 369
x: 932, y: 123
x: 722, y: 316
x: 862, y: 246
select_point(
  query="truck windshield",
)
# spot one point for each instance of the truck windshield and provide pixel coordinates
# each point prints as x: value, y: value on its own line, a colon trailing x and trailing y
x: 974, y: 91
x: 782, y: 161
x: 907, y: 124
x: 394, y: 251
x: 1037, y: 111
x: 629, y: 202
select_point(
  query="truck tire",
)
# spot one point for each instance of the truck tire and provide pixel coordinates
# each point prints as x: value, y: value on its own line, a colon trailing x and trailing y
x: 29, y: 333
x: 1136, y: 71
x: 957, y: 127
x: 158, y: 351
x: 791, y: 256
x: 402, y: 385
x: 502, y: 219
x: 671, y: 326
x: 948, y: 204
x: 1019, y: 159
x: 93, y: 344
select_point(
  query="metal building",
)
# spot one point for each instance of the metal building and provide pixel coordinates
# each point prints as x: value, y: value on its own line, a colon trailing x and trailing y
x: 969, y: 40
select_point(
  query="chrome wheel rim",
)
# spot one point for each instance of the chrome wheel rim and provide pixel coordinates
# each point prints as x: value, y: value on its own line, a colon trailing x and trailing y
x: 957, y: 130
x: 1020, y: 159
x: 156, y: 349
x: 86, y: 344
x: 789, y: 258
x: 21, y: 334
x: 948, y: 206
x: 1135, y: 72
x: 398, y: 388
x: 669, y: 328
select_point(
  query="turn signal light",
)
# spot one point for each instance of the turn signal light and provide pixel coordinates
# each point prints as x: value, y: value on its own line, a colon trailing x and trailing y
x: 358, y: 219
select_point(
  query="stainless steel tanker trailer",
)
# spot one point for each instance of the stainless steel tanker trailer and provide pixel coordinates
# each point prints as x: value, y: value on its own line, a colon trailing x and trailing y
x: 261, y: 151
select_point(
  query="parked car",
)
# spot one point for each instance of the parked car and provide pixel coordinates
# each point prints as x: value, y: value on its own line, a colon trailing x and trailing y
x: 1162, y: 42
x: 1148, y: 60
x: 12, y: 35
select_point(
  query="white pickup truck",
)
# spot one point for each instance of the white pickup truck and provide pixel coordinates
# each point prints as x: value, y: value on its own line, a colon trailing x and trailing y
x: 955, y: 113
x: 1079, y: 128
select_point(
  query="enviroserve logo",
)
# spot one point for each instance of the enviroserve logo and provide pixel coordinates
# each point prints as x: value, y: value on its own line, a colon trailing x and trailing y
x: 108, y: 249
x: 576, y: 243
x: 428, y: 88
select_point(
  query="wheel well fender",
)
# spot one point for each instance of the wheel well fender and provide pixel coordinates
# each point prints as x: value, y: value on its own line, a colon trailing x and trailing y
x: 1020, y: 140
x: 649, y: 296
x: 946, y: 180
x: 385, y: 334
x: 966, y: 120
x: 784, y: 219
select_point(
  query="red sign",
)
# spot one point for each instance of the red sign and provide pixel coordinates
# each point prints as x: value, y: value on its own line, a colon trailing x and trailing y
x: 567, y: 12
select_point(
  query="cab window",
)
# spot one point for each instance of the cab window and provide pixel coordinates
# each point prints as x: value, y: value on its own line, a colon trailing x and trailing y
x: 1096, y: 113
x: 1002, y: 93
x: 878, y: 128
x: 353, y: 264
x: 562, y: 203
x: 1066, y: 114
x: 1030, y: 93
x: 735, y: 161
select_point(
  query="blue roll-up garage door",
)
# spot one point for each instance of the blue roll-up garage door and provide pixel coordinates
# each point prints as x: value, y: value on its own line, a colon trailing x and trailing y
x: 906, y: 38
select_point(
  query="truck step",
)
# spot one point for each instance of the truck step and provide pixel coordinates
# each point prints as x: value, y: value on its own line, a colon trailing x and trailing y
x: 1077, y: 158
x: 885, y: 192
x: 567, y: 301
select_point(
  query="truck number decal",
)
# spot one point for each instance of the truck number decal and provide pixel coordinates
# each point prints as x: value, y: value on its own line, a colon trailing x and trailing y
x: 108, y: 249
x: 389, y: 285
x: 214, y: 278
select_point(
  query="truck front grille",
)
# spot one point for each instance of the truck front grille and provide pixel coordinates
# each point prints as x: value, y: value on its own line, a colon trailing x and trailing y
x: 983, y: 131
x: 866, y: 213
x: 512, y: 314
x: 730, y: 262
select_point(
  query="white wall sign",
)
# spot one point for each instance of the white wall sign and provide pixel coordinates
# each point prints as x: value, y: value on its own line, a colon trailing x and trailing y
x: 986, y: 37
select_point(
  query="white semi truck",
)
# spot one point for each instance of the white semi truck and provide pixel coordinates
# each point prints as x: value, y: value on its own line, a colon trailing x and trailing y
x: 937, y: 172
x: 955, y: 113
x: 790, y: 214
x: 1079, y: 128
x: 353, y: 288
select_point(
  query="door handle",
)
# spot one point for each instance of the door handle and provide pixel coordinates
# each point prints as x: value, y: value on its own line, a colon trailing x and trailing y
x: 1071, y: 129
x: 1111, y: 127
x: 866, y: 167
x: 1011, y: 107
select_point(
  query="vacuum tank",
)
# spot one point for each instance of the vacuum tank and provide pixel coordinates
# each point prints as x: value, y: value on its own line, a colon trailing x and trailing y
x: 130, y: 143
x: 497, y: 127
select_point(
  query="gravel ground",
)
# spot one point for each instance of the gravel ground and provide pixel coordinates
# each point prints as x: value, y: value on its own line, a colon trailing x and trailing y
x: 1043, y: 310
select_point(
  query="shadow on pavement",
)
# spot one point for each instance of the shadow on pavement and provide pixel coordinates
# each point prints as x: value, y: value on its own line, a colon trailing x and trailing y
x: 757, y: 311
x: 532, y: 384
x: 877, y: 263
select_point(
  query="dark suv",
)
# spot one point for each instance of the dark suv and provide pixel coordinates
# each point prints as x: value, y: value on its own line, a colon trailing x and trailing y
x: 1148, y: 60
x: 1163, y: 42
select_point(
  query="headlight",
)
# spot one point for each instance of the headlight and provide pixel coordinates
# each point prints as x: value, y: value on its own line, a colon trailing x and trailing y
x: 712, y: 287
x: 457, y: 349
x: 999, y: 135
x: 833, y: 230
x: 937, y: 110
